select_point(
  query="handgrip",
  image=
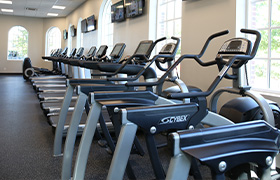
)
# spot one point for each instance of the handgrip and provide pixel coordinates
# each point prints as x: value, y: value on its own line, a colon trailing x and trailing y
x: 209, y: 39
x: 158, y: 40
x: 257, y: 41
x: 221, y: 33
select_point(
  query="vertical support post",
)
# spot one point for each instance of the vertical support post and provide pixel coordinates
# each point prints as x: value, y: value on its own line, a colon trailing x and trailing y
x: 180, y: 163
x: 71, y: 136
x: 61, y: 122
x: 85, y: 143
x: 123, y: 148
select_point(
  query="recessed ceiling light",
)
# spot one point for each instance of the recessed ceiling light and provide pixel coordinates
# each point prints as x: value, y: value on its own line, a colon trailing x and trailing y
x: 6, y: 2
x: 52, y: 14
x: 7, y: 10
x: 58, y: 7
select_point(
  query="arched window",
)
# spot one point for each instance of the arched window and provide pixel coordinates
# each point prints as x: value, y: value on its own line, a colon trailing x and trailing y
x: 107, y: 26
x: 17, y: 43
x: 53, y: 39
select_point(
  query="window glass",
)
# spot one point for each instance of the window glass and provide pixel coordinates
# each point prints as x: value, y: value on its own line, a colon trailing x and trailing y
x: 169, y: 14
x: 259, y: 11
x: 258, y: 72
x: 275, y: 13
x: 263, y: 15
x: 53, y: 39
x: 107, y: 26
x: 17, y: 43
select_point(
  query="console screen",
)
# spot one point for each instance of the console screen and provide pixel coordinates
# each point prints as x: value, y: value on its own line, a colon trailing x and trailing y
x: 234, y: 45
x: 116, y: 50
x: 143, y: 48
x: 91, y: 51
x: 101, y: 50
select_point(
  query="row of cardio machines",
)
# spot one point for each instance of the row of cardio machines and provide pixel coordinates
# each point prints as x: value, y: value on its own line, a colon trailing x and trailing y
x: 225, y: 147
x: 51, y: 88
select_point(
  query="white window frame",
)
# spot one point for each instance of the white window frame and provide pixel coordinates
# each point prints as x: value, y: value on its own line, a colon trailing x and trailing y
x: 8, y: 49
x: 79, y: 34
x: 58, y: 45
x: 166, y: 20
x: 106, y: 33
x: 69, y: 40
x: 268, y: 59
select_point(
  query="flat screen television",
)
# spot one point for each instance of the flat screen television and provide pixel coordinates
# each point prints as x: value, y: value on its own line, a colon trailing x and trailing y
x: 84, y: 26
x: 73, y: 31
x: 91, y: 23
x: 134, y: 8
x: 118, y: 12
x: 65, y: 34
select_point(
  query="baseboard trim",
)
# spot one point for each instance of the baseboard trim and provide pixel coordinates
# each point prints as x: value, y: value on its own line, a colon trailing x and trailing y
x: 10, y: 73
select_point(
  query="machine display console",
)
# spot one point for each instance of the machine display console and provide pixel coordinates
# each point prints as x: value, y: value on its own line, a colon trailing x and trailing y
x: 73, y: 51
x: 54, y: 52
x: 168, y: 48
x: 117, y: 50
x: 236, y: 46
x: 80, y: 52
x: 144, y: 48
x: 64, y: 52
x: 91, y: 51
x: 59, y: 52
x: 101, y: 51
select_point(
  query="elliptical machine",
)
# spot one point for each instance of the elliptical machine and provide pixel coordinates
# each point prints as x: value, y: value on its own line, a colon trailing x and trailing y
x: 156, y: 119
x: 251, y: 106
x: 115, y: 101
x: 94, y: 112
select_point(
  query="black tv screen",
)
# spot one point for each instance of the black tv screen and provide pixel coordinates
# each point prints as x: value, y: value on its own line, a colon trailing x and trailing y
x: 65, y: 34
x: 91, y: 23
x: 84, y: 26
x: 134, y: 7
x: 118, y: 12
x: 73, y: 31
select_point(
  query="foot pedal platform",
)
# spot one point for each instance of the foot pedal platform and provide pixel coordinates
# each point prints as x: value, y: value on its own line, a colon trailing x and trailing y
x: 225, y: 147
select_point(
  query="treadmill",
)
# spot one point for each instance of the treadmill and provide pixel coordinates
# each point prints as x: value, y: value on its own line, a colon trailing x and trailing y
x: 50, y: 82
x: 47, y: 91
x: 74, y: 54
x: 56, y: 66
x: 140, y: 58
x: 53, y: 108
x: 57, y: 95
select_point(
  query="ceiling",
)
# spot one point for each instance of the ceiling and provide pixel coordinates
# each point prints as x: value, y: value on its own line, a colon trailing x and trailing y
x: 40, y: 8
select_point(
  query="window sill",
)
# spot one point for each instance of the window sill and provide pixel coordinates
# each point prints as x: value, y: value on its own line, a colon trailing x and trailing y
x: 269, y: 94
x: 15, y: 59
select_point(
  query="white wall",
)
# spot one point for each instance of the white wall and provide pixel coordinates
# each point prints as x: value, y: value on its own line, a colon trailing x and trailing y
x: 90, y: 7
x: 35, y: 49
x: 37, y: 28
x: 200, y: 19
x: 133, y: 30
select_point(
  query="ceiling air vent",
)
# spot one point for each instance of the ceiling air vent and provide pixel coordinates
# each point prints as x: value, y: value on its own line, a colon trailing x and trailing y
x: 31, y: 9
